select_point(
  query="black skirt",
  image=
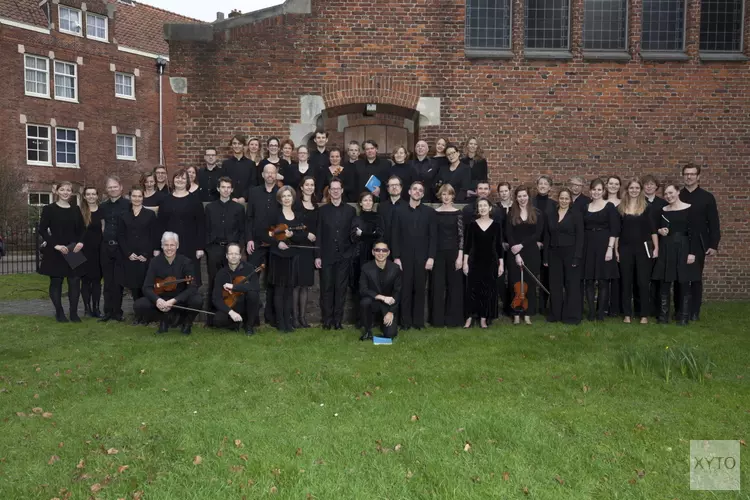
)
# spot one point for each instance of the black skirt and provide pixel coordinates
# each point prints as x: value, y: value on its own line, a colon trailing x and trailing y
x: 305, y: 267
x: 283, y: 271
x: 595, y: 245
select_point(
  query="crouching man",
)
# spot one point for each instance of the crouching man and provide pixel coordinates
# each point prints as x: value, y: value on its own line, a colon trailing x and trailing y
x: 161, y: 295
x: 380, y: 289
x: 246, y: 295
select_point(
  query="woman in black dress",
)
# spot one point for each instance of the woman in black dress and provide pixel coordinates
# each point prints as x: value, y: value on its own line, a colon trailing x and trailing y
x: 679, y: 243
x: 502, y: 209
x: 152, y: 197
x: 307, y: 208
x: 524, y: 227
x: 447, y: 301
x: 253, y: 153
x: 474, y: 159
x: 440, y: 159
x: 62, y: 229
x: 455, y: 173
x: 601, y: 224
x: 183, y: 214
x: 403, y: 170
x: 91, y: 276
x: 483, y: 264
x: 273, y: 148
x: 613, y: 195
x: 635, y: 248
x: 367, y: 228
x: 284, y: 260
x: 563, y: 255
x: 192, y: 179
x: 139, y: 238
x: 346, y: 174
x: 294, y: 174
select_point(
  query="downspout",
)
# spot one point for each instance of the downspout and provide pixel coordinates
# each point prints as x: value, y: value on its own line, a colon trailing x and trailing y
x: 160, y: 64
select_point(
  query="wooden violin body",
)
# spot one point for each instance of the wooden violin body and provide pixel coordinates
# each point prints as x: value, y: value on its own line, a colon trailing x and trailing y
x: 230, y: 297
x: 278, y: 232
x: 169, y: 284
x: 520, y: 301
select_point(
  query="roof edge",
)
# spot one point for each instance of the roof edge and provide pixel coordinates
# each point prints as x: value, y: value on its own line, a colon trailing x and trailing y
x: 205, y: 32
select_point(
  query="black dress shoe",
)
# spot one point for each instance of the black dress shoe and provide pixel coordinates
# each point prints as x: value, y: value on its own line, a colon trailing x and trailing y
x: 367, y: 335
x: 326, y: 326
x: 249, y: 331
x: 74, y: 318
x: 187, y: 329
x: 303, y: 322
x: 163, y: 327
x: 337, y: 326
x: 60, y: 317
x: 406, y: 328
x: 118, y: 318
x: 695, y: 317
x: 105, y: 318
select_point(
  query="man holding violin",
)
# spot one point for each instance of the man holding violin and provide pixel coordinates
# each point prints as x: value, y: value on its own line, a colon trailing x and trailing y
x: 169, y: 285
x: 236, y: 292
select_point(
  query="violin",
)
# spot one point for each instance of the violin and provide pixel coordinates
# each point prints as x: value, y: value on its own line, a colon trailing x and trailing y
x: 230, y: 297
x: 169, y: 284
x: 278, y: 232
x: 520, y: 302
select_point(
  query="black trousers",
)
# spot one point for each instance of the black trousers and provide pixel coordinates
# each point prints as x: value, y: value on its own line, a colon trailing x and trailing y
x: 215, y: 260
x: 147, y: 311
x: 55, y: 294
x: 564, y: 286
x: 413, y: 286
x: 543, y: 297
x: 334, y: 282
x: 696, y: 289
x: 247, y: 307
x: 447, y: 290
x: 368, y: 308
x: 614, y: 307
x: 260, y: 256
x: 597, y: 309
x: 635, y: 268
x: 110, y: 259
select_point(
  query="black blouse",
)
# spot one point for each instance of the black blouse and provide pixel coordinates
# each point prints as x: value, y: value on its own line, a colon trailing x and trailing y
x: 138, y: 234
x: 637, y: 228
x: 459, y: 179
x: 567, y: 232
x: 450, y: 230
x: 185, y: 217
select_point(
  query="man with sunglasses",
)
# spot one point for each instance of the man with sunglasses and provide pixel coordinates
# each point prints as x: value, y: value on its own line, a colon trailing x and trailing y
x: 380, y: 291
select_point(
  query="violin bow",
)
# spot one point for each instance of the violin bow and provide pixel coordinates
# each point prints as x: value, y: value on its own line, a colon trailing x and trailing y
x: 194, y: 310
x: 536, y: 279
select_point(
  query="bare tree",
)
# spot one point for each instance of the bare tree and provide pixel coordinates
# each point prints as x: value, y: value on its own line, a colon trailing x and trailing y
x: 13, y: 208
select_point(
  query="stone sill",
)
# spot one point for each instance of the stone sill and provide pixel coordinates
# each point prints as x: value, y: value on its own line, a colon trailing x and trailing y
x: 664, y: 56
x: 722, y: 56
x: 605, y: 55
x: 547, y: 54
x: 474, y: 53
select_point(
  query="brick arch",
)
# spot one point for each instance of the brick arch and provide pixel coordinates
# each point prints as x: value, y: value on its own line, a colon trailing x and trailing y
x: 376, y: 90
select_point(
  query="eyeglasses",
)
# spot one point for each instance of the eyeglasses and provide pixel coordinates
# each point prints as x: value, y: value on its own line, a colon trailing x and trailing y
x: 334, y: 189
x: 690, y: 174
x: 380, y: 250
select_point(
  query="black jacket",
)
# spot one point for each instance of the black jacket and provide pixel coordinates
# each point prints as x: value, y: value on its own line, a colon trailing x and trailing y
x: 226, y: 275
x: 373, y: 283
x: 262, y: 211
x: 334, y: 228
x: 565, y: 233
x: 225, y: 222
x: 379, y: 168
x: 704, y: 204
x: 414, y: 234
x: 243, y: 174
x: 208, y: 183
x: 388, y: 210
x: 180, y: 268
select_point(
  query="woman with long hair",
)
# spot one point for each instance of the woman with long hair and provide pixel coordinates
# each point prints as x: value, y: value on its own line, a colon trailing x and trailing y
x: 439, y: 158
x: 183, y: 214
x: 635, y: 248
x: 254, y: 152
x: 447, y: 283
x: 193, y: 178
x: 482, y: 264
x: 501, y: 212
x: 62, y: 229
x: 563, y: 255
x: 307, y: 208
x: 601, y: 224
x: 613, y: 195
x: 139, y: 238
x: 473, y: 157
x: 524, y: 228
x: 284, y: 260
x: 152, y: 197
x: 91, y: 277
x: 367, y: 228
x: 679, y: 243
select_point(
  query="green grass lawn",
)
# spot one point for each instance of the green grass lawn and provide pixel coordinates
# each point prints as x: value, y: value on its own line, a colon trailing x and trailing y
x: 25, y: 287
x: 544, y: 412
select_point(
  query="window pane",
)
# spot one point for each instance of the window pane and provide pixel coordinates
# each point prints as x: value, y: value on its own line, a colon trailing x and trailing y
x: 547, y: 23
x: 488, y: 24
x: 604, y: 26
x: 721, y: 25
x: 66, y: 146
x: 70, y: 20
x: 96, y: 26
x: 36, y: 75
x: 663, y: 25
x: 65, y: 81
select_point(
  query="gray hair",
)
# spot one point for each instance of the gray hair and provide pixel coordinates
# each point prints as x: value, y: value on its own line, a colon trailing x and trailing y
x: 578, y: 178
x: 169, y: 235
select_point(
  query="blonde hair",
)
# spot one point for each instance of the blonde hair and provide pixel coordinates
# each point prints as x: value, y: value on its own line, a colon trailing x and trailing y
x: 284, y: 189
x: 640, y: 201
x: 447, y: 188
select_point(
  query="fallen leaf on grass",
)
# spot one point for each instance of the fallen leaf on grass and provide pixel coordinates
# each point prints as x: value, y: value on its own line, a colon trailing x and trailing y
x: 236, y: 468
x: 640, y: 427
x: 320, y: 461
x: 122, y: 468
x: 586, y: 388
x: 238, y: 443
x: 20, y: 414
x: 36, y: 396
x: 197, y: 460
x: 37, y: 410
x: 500, y: 379
x: 113, y: 451
x: 641, y: 473
x: 409, y: 474
x: 96, y: 487
x: 298, y: 452
x: 467, y: 446
x: 506, y: 476
x: 53, y: 459
x: 367, y: 393
x: 138, y: 495
x: 81, y: 464
x: 525, y: 490
x: 274, y: 490
x: 476, y: 479
x: 414, y: 418
x: 559, y: 480
x: 632, y: 480
x: 47, y: 414
x: 742, y: 442
x: 397, y: 447
x: 243, y: 458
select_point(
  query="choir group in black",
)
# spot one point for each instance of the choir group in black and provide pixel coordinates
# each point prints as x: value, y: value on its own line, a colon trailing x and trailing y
x: 408, y: 254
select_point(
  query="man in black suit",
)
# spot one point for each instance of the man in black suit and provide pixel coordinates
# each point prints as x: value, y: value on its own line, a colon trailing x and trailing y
x: 333, y: 256
x: 388, y: 206
x: 414, y: 238
x: 580, y: 200
x: 372, y: 165
x: 380, y: 289
x: 240, y: 169
x: 247, y: 303
x: 319, y: 158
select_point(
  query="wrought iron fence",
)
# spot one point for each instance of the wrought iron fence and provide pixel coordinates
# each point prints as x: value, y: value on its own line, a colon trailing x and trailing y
x: 20, y: 254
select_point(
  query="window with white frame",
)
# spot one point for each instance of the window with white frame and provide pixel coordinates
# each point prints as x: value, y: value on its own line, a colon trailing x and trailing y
x: 66, y: 147
x: 70, y: 20
x: 66, y: 81
x: 125, y: 147
x: 36, y: 75
x: 96, y: 27
x: 38, y: 145
x: 39, y: 199
x: 125, y: 85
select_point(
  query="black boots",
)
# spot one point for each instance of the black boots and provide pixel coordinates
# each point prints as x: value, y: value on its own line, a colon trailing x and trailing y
x: 366, y: 334
x: 163, y: 326
x: 590, y: 295
x: 684, y: 315
x: 663, y: 316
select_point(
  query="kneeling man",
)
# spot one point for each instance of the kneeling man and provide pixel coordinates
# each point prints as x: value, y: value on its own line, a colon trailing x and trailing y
x: 179, y: 290
x: 248, y: 300
x: 380, y: 289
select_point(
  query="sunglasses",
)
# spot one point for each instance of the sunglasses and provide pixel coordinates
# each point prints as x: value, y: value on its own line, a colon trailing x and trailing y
x: 380, y: 250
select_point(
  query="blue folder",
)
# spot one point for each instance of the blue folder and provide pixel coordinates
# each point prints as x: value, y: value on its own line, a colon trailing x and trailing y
x: 372, y: 183
x: 382, y: 341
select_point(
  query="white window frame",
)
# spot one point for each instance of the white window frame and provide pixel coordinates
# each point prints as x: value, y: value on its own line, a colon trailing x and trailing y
x: 40, y: 194
x: 78, y: 149
x: 46, y: 72
x: 123, y: 157
x: 132, y: 85
x: 106, y: 27
x: 60, y: 9
x: 75, y: 80
x: 49, y: 145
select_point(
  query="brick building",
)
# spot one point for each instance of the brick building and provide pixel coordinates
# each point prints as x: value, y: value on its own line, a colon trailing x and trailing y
x: 548, y: 86
x: 79, y: 98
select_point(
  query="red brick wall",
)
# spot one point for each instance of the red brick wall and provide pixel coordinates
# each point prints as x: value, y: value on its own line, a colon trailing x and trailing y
x: 98, y: 108
x: 531, y: 117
